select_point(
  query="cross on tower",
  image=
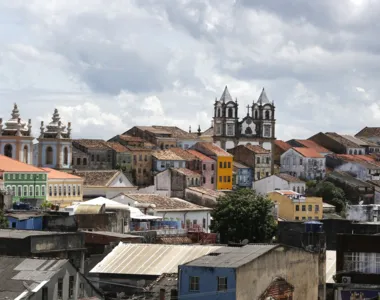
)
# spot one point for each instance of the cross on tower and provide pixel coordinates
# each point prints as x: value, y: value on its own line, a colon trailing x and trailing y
x: 248, y: 109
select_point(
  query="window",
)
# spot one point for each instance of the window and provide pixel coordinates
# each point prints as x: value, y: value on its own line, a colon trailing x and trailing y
x: 267, y: 131
x: 220, y: 164
x: 303, y: 218
x: 25, y: 191
x: 64, y: 190
x: 60, y: 190
x: 92, y: 157
x: 69, y: 190
x: 268, y: 160
x: 81, y: 290
x: 8, y: 150
x: 50, y: 190
x: 225, y: 165
x: 71, y: 287
x: 60, y: 288
x: 219, y: 114
x: 266, y: 174
x: 108, y: 157
x: 65, y: 156
x: 212, y: 180
x: 225, y: 178
x: 84, y: 161
x: 173, y: 295
x: 303, y: 207
x: 74, y: 190
x: 220, y: 179
x: 139, y: 170
x: 145, y: 158
x: 162, y: 294
x: 256, y: 114
x: 97, y: 157
x: 302, y: 190
x: 78, y: 190
x: 229, y: 164
x: 204, y: 167
x: 301, y: 161
x: 204, y: 223
x: 140, y: 157
x: 42, y: 190
x: 230, y: 129
x: 14, y: 190
x: 298, y: 189
x: 297, y: 218
x: 37, y: 190
x: 45, y: 293
x: 316, y: 208
x: 310, y: 207
x: 25, y: 154
x: 258, y: 160
x: 212, y: 167
x: 258, y: 176
x: 162, y: 164
x: 267, y: 114
x: 294, y: 188
x: 297, y: 207
x: 230, y: 112
x: 222, y: 283
x: 31, y: 192
x: 78, y: 161
x: 204, y: 180
x: 194, y: 284
x: 229, y: 178
x: 49, y: 155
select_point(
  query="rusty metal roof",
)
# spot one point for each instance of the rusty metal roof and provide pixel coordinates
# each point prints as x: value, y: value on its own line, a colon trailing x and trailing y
x: 150, y: 259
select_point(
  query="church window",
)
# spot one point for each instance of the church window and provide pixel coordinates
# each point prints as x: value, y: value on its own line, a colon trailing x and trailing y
x: 267, y: 114
x: 8, y: 150
x: 230, y: 112
x: 248, y: 130
x: 84, y: 161
x: 42, y: 190
x: 267, y: 131
x: 256, y: 114
x: 78, y: 161
x: 65, y: 156
x: 49, y: 155
x: 230, y: 129
x: 218, y: 129
x: 25, y: 154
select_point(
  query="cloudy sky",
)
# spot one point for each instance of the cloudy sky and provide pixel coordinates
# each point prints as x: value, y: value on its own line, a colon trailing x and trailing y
x: 110, y: 65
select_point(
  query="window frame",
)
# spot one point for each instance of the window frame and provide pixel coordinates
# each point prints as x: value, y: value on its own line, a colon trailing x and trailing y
x: 194, y: 285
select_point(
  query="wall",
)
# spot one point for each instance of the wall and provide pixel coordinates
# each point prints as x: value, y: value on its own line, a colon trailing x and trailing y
x: 359, y: 170
x: 244, y: 177
x: 162, y: 165
x: 65, y: 191
x: 273, y: 182
x: 209, y: 173
x: 223, y: 174
x: 201, y: 218
x: 142, y: 160
x: 296, y: 266
x: 113, y: 222
x: 363, y: 213
x: 207, y: 283
x: 29, y: 224
x: 262, y: 166
x: 200, y: 198
x: 54, y: 243
x: 123, y: 159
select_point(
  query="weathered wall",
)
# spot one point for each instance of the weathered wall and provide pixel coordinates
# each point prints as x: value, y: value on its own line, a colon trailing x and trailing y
x: 297, y: 267
x: 200, y: 199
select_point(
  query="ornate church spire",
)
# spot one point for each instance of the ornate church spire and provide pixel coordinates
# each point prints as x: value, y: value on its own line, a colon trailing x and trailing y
x: 263, y: 99
x: 226, y: 96
x: 56, y: 116
x: 15, y: 112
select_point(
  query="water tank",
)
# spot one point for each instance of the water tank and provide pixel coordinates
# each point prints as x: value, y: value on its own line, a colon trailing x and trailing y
x: 313, y: 226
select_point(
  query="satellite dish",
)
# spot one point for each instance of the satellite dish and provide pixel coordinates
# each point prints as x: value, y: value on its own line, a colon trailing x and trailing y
x: 245, y: 242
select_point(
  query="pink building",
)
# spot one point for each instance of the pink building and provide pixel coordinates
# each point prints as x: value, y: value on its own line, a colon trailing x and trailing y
x: 208, y: 169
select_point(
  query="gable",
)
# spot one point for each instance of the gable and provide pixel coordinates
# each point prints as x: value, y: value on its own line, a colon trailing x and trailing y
x: 120, y: 180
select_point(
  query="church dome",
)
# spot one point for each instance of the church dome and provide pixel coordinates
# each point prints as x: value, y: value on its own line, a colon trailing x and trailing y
x: 55, y: 129
x: 15, y: 126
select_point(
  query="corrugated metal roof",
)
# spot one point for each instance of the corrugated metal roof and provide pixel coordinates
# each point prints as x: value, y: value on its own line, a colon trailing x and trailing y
x: 232, y: 257
x: 149, y: 259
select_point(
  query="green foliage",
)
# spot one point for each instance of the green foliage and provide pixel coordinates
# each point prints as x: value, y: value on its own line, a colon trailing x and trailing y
x: 243, y: 214
x: 330, y: 194
x: 3, y: 220
x: 46, y: 204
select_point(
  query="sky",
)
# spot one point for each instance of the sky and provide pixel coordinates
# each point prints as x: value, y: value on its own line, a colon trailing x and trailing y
x: 111, y: 65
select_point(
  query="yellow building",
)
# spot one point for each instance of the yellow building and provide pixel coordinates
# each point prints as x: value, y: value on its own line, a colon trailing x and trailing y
x: 292, y: 206
x: 63, y: 188
x: 224, y: 163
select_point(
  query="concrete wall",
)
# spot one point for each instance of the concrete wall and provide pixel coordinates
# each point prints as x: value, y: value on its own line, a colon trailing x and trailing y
x: 296, y: 266
x: 201, y: 218
x: 114, y: 222
x: 363, y: 213
x: 208, y: 283
x: 273, y: 182
x: 162, y: 165
x: 199, y: 198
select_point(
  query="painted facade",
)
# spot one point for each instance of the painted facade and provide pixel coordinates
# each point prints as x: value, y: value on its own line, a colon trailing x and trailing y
x: 303, y: 163
x: 242, y: 175
x: 28, y: 185
x: 16, y: 140
x: 208, y: 169
x: 165, y: 159
x: 54, y: 147
x: 279, y: 182
x: 63, y: 188
x: 293, y: 207
x: 32, y: 223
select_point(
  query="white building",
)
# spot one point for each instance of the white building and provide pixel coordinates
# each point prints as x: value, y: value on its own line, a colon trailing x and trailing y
x: 304, y: 163
x: 280, y: 181
x: 170, y: 209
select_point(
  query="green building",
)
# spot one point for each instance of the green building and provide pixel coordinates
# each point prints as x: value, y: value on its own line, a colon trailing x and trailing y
x: 23, y: 180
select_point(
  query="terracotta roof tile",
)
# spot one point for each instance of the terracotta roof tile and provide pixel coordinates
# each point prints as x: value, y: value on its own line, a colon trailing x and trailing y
x: 257, y: 149
x: 92, y: 143
x: 289, y: 178
x: 342, y: 140
x: 369, y: 132
x: 11, y: 165
x: 129, y: 138
x: 164, y: 203
x: 308, y: 152
x: 54, y: 174
x: 213, y: 148
x: 137, y: 149
x: 97, y: 178
x: 283, y: 145
x: 239, y: 165
x: 117, y: 147
x: 187, y: 172
x: 175, y: 132
x: 208, y: 132
x: 203, y: 190
x: 314, y: 145
x: 184, y: 154
x: 201, y: 156
x: 166, y: 155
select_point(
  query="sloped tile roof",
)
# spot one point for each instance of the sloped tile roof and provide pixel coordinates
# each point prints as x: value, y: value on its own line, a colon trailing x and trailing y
x: 166, y: 155
x: 129, y: 138
x: 208, y: 132
x: 283, y: 145
x: 369, y: 132
x: 187, y: 172
x: 184, y: 154
x: 314, y: 145
x: 54, y: 174
x: 97, y: 178
x: 11, y: 165
x: 92, y: 143
x: 289, y: 178
x: 213, y: 148
x: 176, y: 132
x: 342, y: 140
x: 117, y: 147
x: 308, y: 152
x: 165, y: 203
x: 201, y: 156
x: 257, y: 149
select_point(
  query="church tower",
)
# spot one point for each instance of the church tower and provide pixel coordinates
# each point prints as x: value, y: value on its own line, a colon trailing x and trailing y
x: 263, y: 115
x: 226, y: 120
x: 54, y: 147
x: 16, y: 140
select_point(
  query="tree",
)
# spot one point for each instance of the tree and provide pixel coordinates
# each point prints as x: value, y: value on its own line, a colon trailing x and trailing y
x: 330, y: 194
x: 3, y: 220
x: 243, y: 214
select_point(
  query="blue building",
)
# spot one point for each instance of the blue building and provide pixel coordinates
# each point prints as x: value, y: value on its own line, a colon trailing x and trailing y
x: 25, y: 221
x: 257, y: 271
x: 243, y: 175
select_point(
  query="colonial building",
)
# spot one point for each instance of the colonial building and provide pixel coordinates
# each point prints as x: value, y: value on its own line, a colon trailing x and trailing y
x: 208, y: 169
x: 339, y: 144
x: 281, y: 181
x: 16, y: 139
x: 92, y: 154
x: 54, y: 147
x: 257, y: 127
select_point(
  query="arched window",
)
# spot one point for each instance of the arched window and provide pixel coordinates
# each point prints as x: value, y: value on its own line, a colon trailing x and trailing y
x: 74, y: 190
x: 230, y: 112
x: 294, y: 188
x: 31, y: 192
x: 69, y: 190
x: 49, y: 155
x: 19, y: 191
x: 350, y: 152
x: 302, y: 190
x: 55, y: 191
x: 37, y: 190
x: 25, y: 190
x: 267, y: 114
x: 219, y: 113
x: 84, y: 161
x: 50, y: 190
x: 256, y: 114
x: 78, y: 190
x: 78, y: 161
x: 248, y: 130
x: 64, y: 190
x: 42, y: 190
x: 8, y: 150
x: 298, y: 189
x: 355, y: 152
x: 26, y: 154
x: 60, y: 190
x: 65, y: 156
